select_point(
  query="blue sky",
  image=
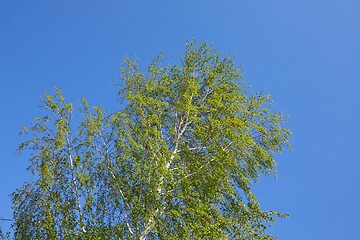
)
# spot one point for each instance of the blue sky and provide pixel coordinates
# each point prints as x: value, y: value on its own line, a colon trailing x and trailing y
x: 306, y: 54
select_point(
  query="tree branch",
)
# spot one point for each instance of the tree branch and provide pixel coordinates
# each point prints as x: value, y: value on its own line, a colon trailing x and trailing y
x: 73, y: 176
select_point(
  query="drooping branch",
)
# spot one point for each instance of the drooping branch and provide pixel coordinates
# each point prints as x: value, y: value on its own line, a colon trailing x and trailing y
x: 125, y: 200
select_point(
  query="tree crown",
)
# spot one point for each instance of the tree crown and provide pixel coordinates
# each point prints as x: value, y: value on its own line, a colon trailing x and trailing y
x: 176, y: 162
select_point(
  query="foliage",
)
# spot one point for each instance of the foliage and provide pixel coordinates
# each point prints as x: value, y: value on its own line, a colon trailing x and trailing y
x: 177, y: 162
x: 4, y: 235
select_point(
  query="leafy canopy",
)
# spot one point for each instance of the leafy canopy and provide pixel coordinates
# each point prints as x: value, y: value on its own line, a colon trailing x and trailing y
x: 176, y: 162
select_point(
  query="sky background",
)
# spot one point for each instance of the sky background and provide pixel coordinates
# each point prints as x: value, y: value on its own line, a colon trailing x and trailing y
x: 306, y: 54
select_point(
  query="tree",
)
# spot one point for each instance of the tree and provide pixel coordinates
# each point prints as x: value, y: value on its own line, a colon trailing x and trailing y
x: 176, y: 162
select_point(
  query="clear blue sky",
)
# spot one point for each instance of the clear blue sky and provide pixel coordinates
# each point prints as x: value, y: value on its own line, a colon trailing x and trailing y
x: 306, y: 54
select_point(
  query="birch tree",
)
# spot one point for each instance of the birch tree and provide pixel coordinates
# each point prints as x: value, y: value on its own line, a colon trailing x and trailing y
x: 176, y: 161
